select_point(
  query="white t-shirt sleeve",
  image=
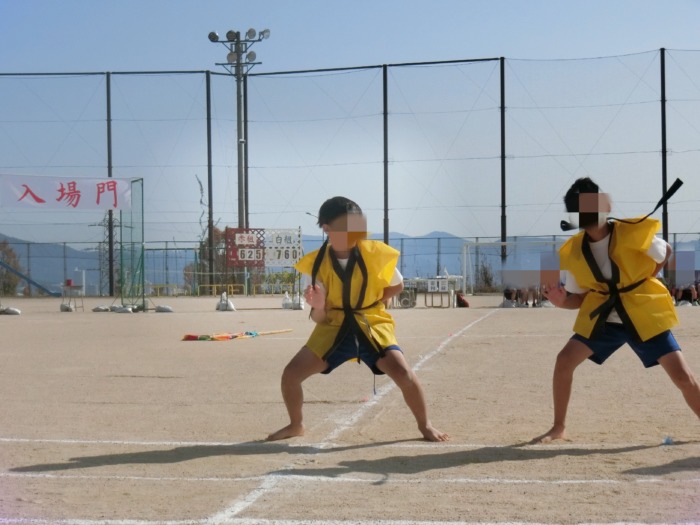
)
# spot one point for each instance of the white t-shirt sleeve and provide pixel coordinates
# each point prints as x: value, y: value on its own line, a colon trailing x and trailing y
x: 570, y: 284
x: 397, y: 278
x: 657, y: 250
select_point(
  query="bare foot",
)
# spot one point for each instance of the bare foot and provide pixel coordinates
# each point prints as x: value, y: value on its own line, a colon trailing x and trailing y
x: 555, y: 433
x: 287, y: 432
x: 432, y: 434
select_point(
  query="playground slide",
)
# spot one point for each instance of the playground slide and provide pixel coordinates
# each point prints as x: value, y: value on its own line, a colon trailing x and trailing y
x: 30, y: 280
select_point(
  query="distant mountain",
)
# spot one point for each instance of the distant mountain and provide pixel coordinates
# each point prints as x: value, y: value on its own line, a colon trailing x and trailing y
x: 437, y: 253
x: 50, y: 264
x: 427, y: 256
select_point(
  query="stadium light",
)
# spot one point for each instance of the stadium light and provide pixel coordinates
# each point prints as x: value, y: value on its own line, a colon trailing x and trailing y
x: 239, y: 61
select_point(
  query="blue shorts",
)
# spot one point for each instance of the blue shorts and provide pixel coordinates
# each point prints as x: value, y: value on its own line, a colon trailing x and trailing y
x: 614, y: 335
x: 354, y: 348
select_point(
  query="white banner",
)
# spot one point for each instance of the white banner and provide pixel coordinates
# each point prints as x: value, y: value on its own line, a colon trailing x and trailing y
x: 62, y: 193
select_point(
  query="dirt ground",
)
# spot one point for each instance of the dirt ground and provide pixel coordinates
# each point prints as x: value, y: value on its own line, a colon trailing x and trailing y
x: 111, y: 418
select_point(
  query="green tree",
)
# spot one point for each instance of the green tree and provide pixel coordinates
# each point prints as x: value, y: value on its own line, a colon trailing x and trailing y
x: 8, y: 280
x: 190, y: 277
x: 485, y: 278
x: 197, y: 274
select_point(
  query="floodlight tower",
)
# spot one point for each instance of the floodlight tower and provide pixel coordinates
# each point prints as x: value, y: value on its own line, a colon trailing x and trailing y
x: 239, y: 61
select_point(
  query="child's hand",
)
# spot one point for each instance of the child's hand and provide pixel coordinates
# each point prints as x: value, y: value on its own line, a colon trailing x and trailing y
x: 315, y: 297
x: 555, y: 295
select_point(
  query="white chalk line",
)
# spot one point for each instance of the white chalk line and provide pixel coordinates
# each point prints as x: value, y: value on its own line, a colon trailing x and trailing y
x: 71, y: 521
x: 351, y: 479
x: 311, y: 449
x: 328, y: 446
x: 269, y: 484
x: 136, y: 442
x: 263, y: 521
x: 149, y: 479
x: 388, y: 387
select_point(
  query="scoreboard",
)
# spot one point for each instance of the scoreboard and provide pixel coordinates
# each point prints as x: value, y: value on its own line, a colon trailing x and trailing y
x: 282, y: 248
x: 260, y: 248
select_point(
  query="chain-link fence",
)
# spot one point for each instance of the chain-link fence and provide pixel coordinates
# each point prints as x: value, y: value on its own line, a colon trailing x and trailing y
x: 464, y: 149
x: 176, y: 268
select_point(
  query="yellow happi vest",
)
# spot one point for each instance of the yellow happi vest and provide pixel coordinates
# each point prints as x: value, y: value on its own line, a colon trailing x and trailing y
x: 372, y: 266
x: 642, y: 301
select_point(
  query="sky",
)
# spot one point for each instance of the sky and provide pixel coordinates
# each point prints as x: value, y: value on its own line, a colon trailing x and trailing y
x: 151, y: 35
x: 126, y: 35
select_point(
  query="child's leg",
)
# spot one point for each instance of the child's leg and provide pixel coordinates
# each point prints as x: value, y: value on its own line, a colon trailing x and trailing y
x: 573, y: 354
x: 678, y: 370
x: 303, y: 365
x: 395, y: 366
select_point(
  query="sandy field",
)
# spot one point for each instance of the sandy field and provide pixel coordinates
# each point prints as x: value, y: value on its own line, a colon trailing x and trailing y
x: 111, y: 418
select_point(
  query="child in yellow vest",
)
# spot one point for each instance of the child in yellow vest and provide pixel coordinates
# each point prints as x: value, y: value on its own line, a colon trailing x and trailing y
x: 609, y: 272
x: 352, y: 280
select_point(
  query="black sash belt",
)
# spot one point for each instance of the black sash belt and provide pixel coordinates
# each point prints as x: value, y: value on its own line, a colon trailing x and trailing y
x: 614, y: 296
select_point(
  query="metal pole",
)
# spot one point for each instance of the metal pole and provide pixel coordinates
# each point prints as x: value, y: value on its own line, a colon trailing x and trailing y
x: 245, y: 150
x: 504, y: 234
x: 437, y: 268
x: 241, y: 139
x: 664, y: 152
x: 210, y: 191
x: 386, y: 153
x: 29, y: 268
x: 110, y: 213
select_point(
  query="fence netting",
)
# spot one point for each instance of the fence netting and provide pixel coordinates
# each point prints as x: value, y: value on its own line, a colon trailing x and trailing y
x: 455, y: 166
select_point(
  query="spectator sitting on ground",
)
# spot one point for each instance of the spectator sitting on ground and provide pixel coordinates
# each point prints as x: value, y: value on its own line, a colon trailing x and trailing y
x: 510, y: 299
x: 686, y: 296
x: 531, y: 295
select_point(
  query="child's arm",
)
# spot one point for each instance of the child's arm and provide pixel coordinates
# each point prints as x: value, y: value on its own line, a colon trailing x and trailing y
x: 391, y: 291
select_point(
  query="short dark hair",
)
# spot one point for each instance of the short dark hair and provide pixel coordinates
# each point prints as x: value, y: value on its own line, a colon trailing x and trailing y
x: 336, y: 207
x: 582, y: 185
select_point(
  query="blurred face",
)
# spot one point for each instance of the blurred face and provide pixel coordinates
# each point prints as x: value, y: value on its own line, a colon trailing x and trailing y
x: 594, y: 209
x: 344, y: 231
